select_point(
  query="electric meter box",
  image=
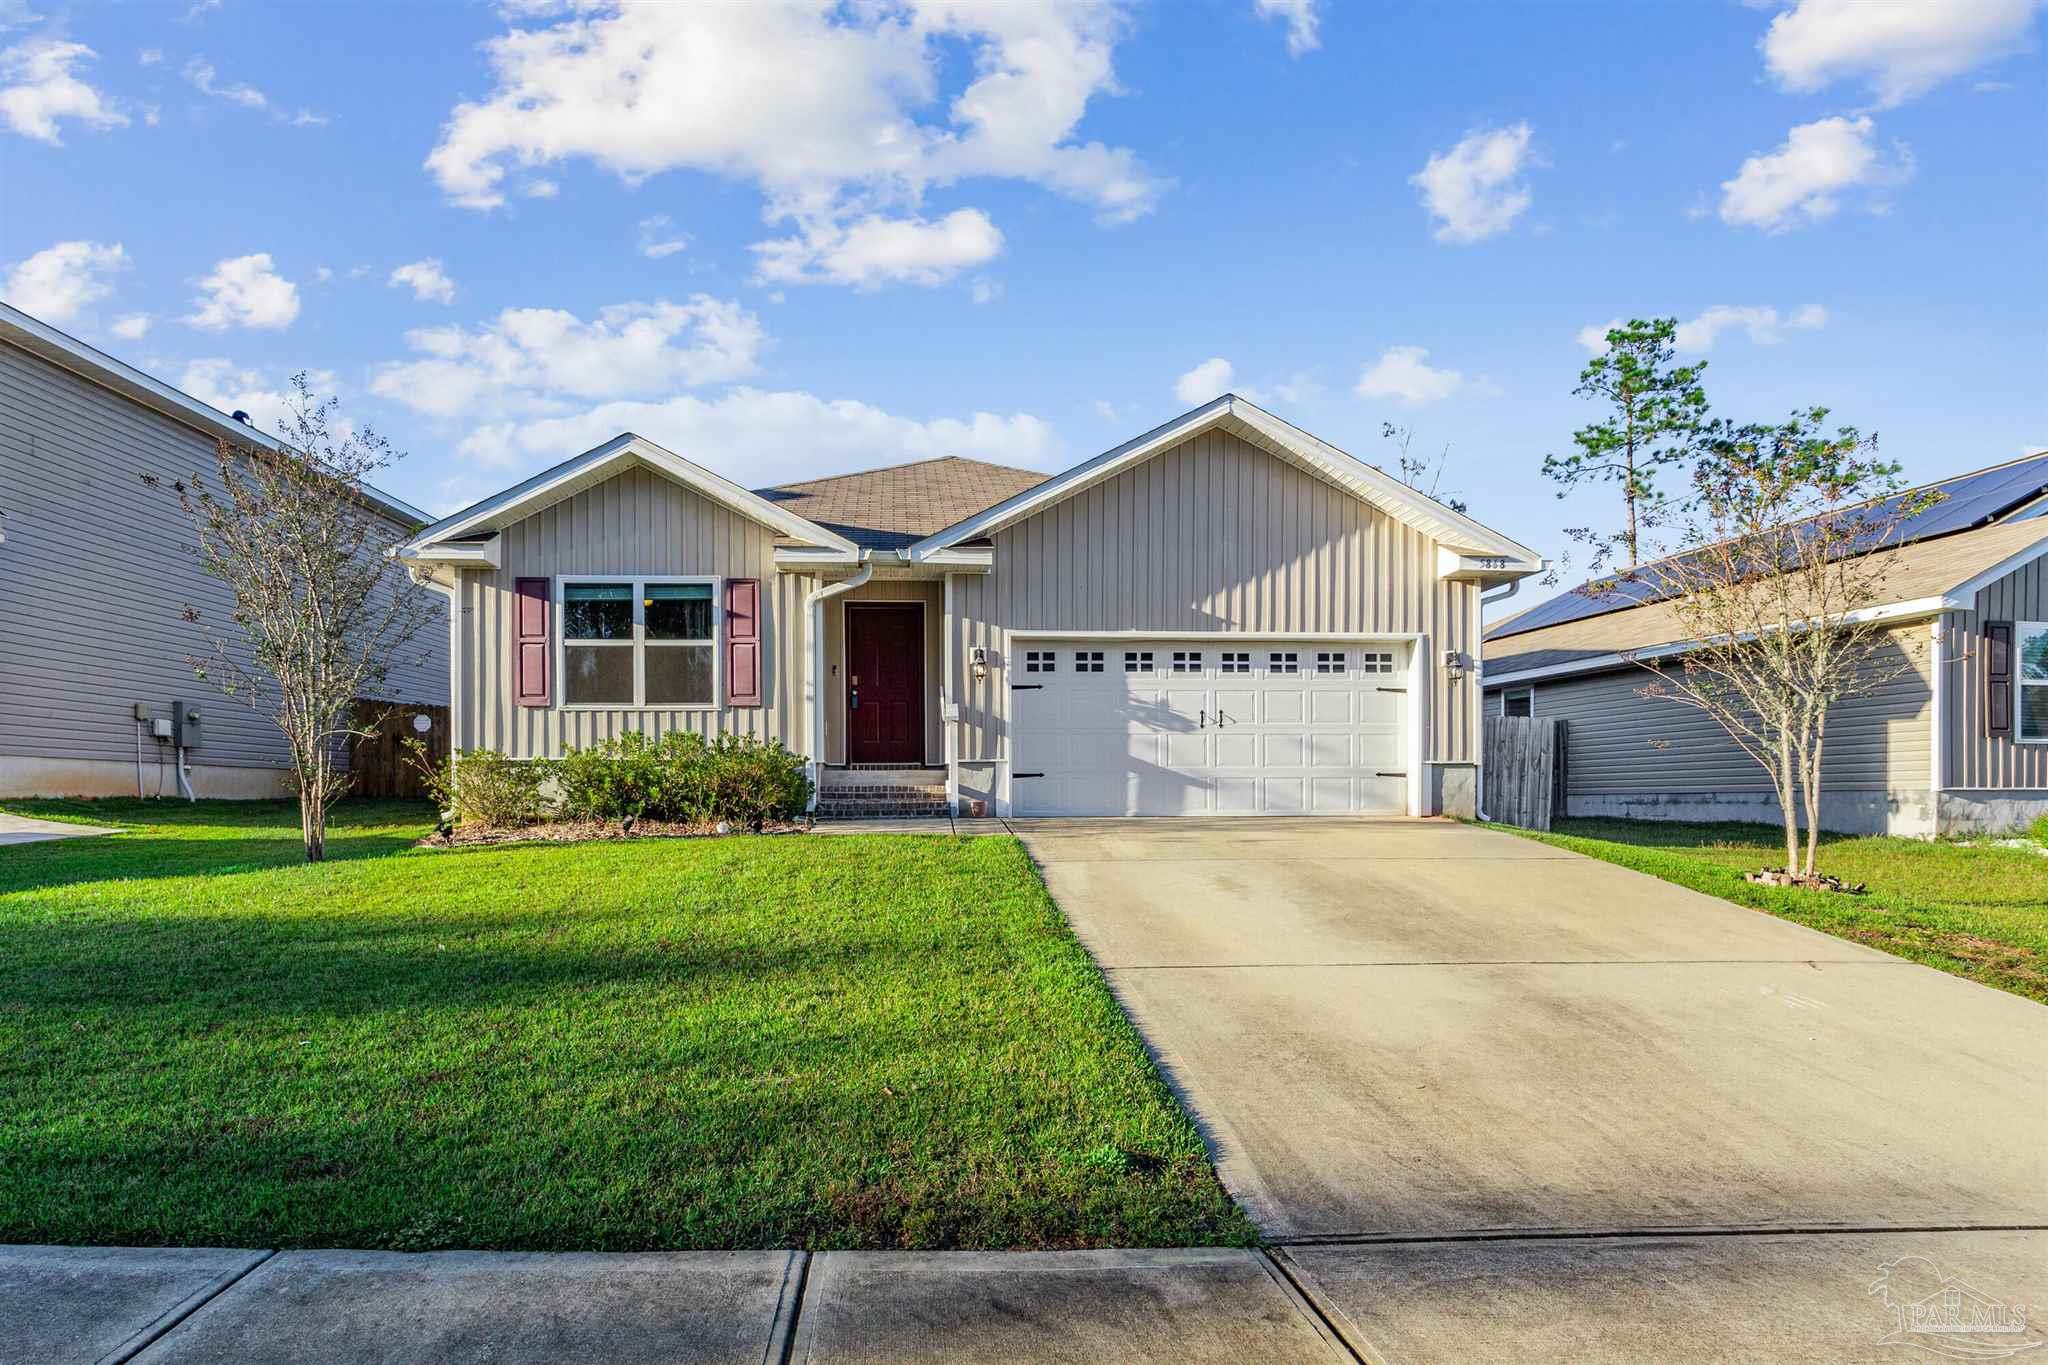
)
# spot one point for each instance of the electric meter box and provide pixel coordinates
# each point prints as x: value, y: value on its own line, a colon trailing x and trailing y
x: 185, y: 724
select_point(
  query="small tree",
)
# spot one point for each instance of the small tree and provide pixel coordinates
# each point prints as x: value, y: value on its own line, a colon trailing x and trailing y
x: 1658, y: 411
x: 321, y: 614
x: 1785, y: 554
x: 1419, y: 472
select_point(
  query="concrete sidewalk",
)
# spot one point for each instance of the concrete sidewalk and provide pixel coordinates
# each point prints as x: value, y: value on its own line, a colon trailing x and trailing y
x: 26, y: 829
x: 1624, y: 1299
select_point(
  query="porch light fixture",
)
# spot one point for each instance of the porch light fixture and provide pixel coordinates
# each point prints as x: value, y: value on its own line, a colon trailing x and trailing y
x: 1454, y: 665
x: 978, y: 664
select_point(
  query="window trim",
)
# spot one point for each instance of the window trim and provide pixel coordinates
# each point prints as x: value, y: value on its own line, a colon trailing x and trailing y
x: 639, y: 644
x: 1507, y: 692
x: 2021, y: 632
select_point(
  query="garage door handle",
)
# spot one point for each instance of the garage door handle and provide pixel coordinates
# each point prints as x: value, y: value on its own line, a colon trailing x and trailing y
x: 1204, y: 722
x: 1393, y: 689
x: 1027, y: 687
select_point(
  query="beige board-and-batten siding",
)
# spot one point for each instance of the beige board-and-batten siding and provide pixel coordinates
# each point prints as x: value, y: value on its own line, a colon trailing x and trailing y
x: 1213, y: 535
x: 1976, y: 759
x: 643, y: 524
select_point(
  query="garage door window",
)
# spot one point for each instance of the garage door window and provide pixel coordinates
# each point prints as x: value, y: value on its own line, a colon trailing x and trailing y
x: 1087, y: 661
x: 1283, y: 661
x: 1376, y: 661
x: 1138, y: 661
x: 1329, y: 661
x: 1237, y: 662
x: 1038, y: 661
x: 1187, y: 661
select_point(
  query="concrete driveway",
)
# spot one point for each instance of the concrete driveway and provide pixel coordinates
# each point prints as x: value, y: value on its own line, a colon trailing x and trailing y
x: 1414, y: 1030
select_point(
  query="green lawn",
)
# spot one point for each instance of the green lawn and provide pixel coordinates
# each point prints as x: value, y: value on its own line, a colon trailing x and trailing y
x: 741, y: 1042
x: 1978, y: 911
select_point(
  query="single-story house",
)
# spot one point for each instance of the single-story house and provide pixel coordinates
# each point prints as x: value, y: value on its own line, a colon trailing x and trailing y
x: 1956, y: 743
x: 96, y: 570
x: 1224, y: 615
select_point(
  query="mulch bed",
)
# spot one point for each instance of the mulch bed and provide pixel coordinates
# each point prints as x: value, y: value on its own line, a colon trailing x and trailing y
x: 585, y: 831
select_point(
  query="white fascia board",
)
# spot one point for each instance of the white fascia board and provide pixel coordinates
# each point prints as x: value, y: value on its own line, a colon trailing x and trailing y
x: 488, y: 553
x: 1470, y: 568
x: 960, y: 559
x: 622, y: 451
x: 39, y: 338
x: 1965, y: 593
x: 1355, y: 476
x: 1601, y: 663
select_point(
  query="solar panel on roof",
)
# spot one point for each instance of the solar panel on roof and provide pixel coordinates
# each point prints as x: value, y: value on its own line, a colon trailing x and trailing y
x: 1969, y: 500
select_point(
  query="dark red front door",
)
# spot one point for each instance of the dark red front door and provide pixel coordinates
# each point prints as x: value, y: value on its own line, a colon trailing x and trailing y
x: 884, y: 682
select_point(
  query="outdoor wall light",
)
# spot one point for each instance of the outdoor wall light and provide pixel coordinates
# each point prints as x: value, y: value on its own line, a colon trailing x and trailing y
x: 978, y: 664
x: 1454, y: 665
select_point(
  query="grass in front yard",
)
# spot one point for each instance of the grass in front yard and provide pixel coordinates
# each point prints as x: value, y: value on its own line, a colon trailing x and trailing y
x: 1977, y: 910
x: 740, y: 1042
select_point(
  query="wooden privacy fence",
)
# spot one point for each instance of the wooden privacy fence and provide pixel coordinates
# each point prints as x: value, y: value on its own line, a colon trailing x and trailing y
x: 1525, y: 770
x: 381, y: 763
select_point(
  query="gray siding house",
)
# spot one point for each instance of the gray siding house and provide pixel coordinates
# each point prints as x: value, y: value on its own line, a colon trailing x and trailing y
x: 1224, y: 615
x: 95, y: 570
x: 1957, y: 742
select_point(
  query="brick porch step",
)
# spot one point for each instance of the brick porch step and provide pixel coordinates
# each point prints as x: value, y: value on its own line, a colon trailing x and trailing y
x: 881, y: 810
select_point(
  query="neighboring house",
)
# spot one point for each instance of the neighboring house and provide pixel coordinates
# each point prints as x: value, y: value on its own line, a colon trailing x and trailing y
x: 1958, y: 743
x: 96, y: 570
x: 1224, y: 615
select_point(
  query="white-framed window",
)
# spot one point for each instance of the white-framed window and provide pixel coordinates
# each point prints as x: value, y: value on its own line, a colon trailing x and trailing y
x: 2030, y: 681
x: 1087, y: 661
x: 638, y: 643
x: 1237, y: 661
x: 1329, y: 661
x: 1187, y: 661
x: 1518, y: 701
x: 1376, y: 661
x: 1040, y: 661
x: 1283, y: 661
x: 1137, y: 661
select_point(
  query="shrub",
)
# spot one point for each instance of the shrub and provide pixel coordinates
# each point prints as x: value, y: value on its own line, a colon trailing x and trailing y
x: 483, y: 787
x: 681, y: 777
x: 2038, y: 831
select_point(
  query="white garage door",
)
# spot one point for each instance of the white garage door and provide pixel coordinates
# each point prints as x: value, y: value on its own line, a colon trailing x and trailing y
x: 1184, y: 727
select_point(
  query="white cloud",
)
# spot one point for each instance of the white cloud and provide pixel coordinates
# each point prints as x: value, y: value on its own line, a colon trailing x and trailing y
x: 540, y: 189
x: 1301, y: 19
x: 758, y: 438
x: 231, y: 388
x: 1763, y: 324
x: 206, y: 81
x: 657, y: 240
x: 245, y: 291
x: 539, y: 360
x: 985, y: 290
x: 1475, y: 190
x: 1207, y: 380
x: 59, y: 281
x: 150, y: 56
x: 131, y: 326
x: 38, y: 89
x: 826, y: 108
x: 427, y: 279
x: 1803, y: 180
x: 874, y: 250
x: 1900, y: 50
x: 1402, y: 373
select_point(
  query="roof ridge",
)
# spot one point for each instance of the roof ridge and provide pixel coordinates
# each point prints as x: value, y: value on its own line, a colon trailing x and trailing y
x: 901, y: 464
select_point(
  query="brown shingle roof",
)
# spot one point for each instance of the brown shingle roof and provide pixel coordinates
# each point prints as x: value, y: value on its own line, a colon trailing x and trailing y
x: 1926, y: 568
x: 886, y: 509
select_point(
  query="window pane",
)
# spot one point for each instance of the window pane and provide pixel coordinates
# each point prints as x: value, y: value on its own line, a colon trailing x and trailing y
x: 597, y: 611
x: 2033, y: 648
x: 678, y: 611
x: 2033, y: 712
x: 597, y: 674
x: 679, y: 675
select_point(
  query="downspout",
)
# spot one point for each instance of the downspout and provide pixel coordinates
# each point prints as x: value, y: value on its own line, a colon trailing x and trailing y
x: 1501, y: 593
x: 1936, y: 774
x: 814, y: 602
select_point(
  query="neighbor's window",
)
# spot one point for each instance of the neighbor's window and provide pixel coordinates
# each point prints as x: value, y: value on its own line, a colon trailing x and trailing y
x: 2030, y: 642
x: 639, y: 642
x: 1520, y: 702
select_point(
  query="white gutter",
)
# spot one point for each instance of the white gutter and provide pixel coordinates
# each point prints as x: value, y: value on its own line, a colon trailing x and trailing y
x: 814, y: 648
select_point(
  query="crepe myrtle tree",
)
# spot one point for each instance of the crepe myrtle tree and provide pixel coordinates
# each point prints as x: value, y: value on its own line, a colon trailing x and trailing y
x: 322, y: 615
x: 1656, y: 412
x: 1773, y: 588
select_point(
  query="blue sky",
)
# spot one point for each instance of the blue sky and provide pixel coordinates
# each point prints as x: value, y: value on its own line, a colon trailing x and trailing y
x: 796, y: 242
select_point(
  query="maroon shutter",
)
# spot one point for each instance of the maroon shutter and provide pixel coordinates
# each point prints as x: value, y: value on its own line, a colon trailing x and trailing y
x: 743, y: 641
x: 530, y: 652
x: 1998, y: 677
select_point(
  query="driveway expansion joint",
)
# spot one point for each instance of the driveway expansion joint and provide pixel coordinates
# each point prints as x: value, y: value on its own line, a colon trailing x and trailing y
x: 183, y: 1309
